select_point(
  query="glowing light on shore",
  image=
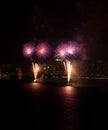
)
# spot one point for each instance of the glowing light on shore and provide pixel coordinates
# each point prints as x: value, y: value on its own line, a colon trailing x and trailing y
x: 35, y: 70
x: 68, y: 68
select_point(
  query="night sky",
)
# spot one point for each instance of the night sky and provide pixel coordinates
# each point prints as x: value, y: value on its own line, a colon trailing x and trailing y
x: 80, y: 20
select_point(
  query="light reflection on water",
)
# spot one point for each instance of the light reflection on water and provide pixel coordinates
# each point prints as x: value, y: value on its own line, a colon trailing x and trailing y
x: 54, y: 107
x: 68, y: 90
x: 35, y: 85
x: 56, y: 102
x: 62, y: 90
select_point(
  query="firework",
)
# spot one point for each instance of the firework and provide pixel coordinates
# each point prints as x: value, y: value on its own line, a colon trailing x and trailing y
x: 73, y: 48
x: 70, y: 49
x: 68, y: 68
x: 35, y: 70
x: 65, y: 51
x: 43, y: 50
x: 61, y: 51
x: 28, y: 49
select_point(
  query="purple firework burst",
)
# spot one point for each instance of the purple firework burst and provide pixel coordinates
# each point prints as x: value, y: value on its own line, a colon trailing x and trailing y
x: 67, y: 49
x: 61, y: 51
x: 28, y: 49
x: 73, y: 48
x: 43, y: 50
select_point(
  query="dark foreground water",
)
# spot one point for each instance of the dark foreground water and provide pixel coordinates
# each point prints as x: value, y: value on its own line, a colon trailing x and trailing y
x: 35, y: 106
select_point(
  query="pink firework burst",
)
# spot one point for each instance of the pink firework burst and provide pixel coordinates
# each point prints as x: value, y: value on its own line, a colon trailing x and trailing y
x: 28, y: 49
x: 73, y: 48
x: 43, y: 50
x: 61, y: 51
x: 70, y: 50
x: 67, y: 49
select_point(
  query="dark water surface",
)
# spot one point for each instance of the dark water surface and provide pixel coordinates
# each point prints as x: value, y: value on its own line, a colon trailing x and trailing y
x: 34, y: 106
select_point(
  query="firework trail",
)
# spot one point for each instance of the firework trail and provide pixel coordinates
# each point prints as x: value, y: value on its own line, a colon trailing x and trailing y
x: 35, y: 70
x: 68, y: 68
